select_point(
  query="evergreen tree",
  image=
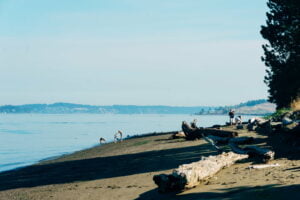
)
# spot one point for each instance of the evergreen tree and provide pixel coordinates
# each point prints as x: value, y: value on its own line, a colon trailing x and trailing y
x: 282, y: 53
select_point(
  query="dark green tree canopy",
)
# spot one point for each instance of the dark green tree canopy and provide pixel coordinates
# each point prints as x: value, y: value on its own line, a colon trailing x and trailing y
x: 282, y: 53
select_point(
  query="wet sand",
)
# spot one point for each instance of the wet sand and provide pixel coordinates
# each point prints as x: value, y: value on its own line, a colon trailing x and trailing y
x: 125, y: 170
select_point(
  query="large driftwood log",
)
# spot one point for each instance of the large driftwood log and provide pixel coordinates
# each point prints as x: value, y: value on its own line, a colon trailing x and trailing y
x: 190, y: 175
x: 236, y: 140
x: 187, y: 128
x: 219, y: 133
x: 193, y: 133
x: 266, y: 154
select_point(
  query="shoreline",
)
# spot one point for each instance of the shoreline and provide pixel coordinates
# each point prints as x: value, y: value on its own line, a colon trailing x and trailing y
x: 84, y: 149
x: 124, y: 171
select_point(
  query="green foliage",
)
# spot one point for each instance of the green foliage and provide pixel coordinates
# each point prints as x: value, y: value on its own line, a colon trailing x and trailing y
x: 252, y: 103
x: 278, y: 113
x: 223, y: 110
x: 282, y: 53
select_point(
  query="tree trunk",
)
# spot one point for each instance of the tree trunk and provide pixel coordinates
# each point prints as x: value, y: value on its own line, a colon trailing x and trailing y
x: 190, y: 175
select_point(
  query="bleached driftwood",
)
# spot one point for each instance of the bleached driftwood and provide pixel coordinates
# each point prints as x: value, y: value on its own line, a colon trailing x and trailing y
x: 212, y: 142
x: 190, y: 175
x: 266, y: 154
x: 179, y: 134
x: 263, y: 166
x: 236, y: 140
x: 219, y: 140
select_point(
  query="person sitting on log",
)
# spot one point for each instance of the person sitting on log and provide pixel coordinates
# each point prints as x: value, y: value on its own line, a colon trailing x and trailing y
x: 193, y: 123
x: 238, y: 119
x: 118, y: 136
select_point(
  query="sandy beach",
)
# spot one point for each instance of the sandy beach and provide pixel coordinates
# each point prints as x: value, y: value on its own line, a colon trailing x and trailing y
x: 125, y: 170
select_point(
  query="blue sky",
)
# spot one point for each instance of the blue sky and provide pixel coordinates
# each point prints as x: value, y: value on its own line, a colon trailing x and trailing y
x: 158, y: 52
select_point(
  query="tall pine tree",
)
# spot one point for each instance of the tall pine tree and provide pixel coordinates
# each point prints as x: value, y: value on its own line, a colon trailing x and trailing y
x: 282, y: 53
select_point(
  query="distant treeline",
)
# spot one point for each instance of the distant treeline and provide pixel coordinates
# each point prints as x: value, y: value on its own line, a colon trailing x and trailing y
x: 222, y: 110
x: 69, y: 108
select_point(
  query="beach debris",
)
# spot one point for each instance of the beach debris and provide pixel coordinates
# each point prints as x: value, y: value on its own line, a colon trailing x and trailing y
x: 219, y: 133
x: 118, y: 137
x: 286, y: 121
x: 102, y: 140
x: 190, y: 175
x: 263, y: 166
x: 178, y: 134
x: 217, y: 137
x: 212, y: 142
x: 217, y: 126
x: 193, y: 132
x: 253, y: 151
x: 236, y: 140
x: 241, y: 140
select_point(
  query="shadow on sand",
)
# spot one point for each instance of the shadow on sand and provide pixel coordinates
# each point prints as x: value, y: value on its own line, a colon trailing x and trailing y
x: 101, y: 167
x: 267, y: 192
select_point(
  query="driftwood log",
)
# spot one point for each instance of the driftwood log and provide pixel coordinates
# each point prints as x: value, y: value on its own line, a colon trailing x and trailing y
x: 178, y: 134
x: 263, y: 166
x: 254, y: 151
x: 219, y: 133
x: 212, y: 142
x: 236, y: 140
x: 190, y: 175
x: 192, y: 132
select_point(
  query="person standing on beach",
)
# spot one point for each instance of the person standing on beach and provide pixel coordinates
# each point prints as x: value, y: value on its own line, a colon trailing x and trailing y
x: 231, y: 116
x: 118, y: 136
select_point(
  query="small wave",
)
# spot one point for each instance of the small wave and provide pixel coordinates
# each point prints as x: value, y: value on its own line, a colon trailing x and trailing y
x: 11, y: 164
x: 62, y: 122
x: 15, y: 131
x: 78, y: 122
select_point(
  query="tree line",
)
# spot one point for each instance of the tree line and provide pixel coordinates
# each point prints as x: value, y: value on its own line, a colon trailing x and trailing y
x: 282, y: 52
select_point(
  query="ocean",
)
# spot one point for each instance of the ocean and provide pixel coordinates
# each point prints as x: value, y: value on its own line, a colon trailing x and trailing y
x: 28, y: 138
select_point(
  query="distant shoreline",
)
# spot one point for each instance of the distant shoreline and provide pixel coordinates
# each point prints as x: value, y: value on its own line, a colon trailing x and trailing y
x: 250, y: 108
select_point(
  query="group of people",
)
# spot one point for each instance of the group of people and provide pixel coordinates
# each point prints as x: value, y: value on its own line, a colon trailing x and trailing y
x: 232, y: 120
x: 118, y: 137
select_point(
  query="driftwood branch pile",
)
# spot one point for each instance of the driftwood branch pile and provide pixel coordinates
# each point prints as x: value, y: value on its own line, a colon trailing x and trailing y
x: 190, y: 175
x: 288, y: 122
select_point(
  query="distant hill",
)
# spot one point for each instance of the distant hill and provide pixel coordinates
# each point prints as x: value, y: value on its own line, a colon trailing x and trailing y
x: 251, y: 107
x: 69, y: 108
x: 254, y: 107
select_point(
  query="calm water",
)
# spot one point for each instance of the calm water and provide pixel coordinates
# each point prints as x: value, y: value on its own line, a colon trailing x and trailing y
x: 27, y: 138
